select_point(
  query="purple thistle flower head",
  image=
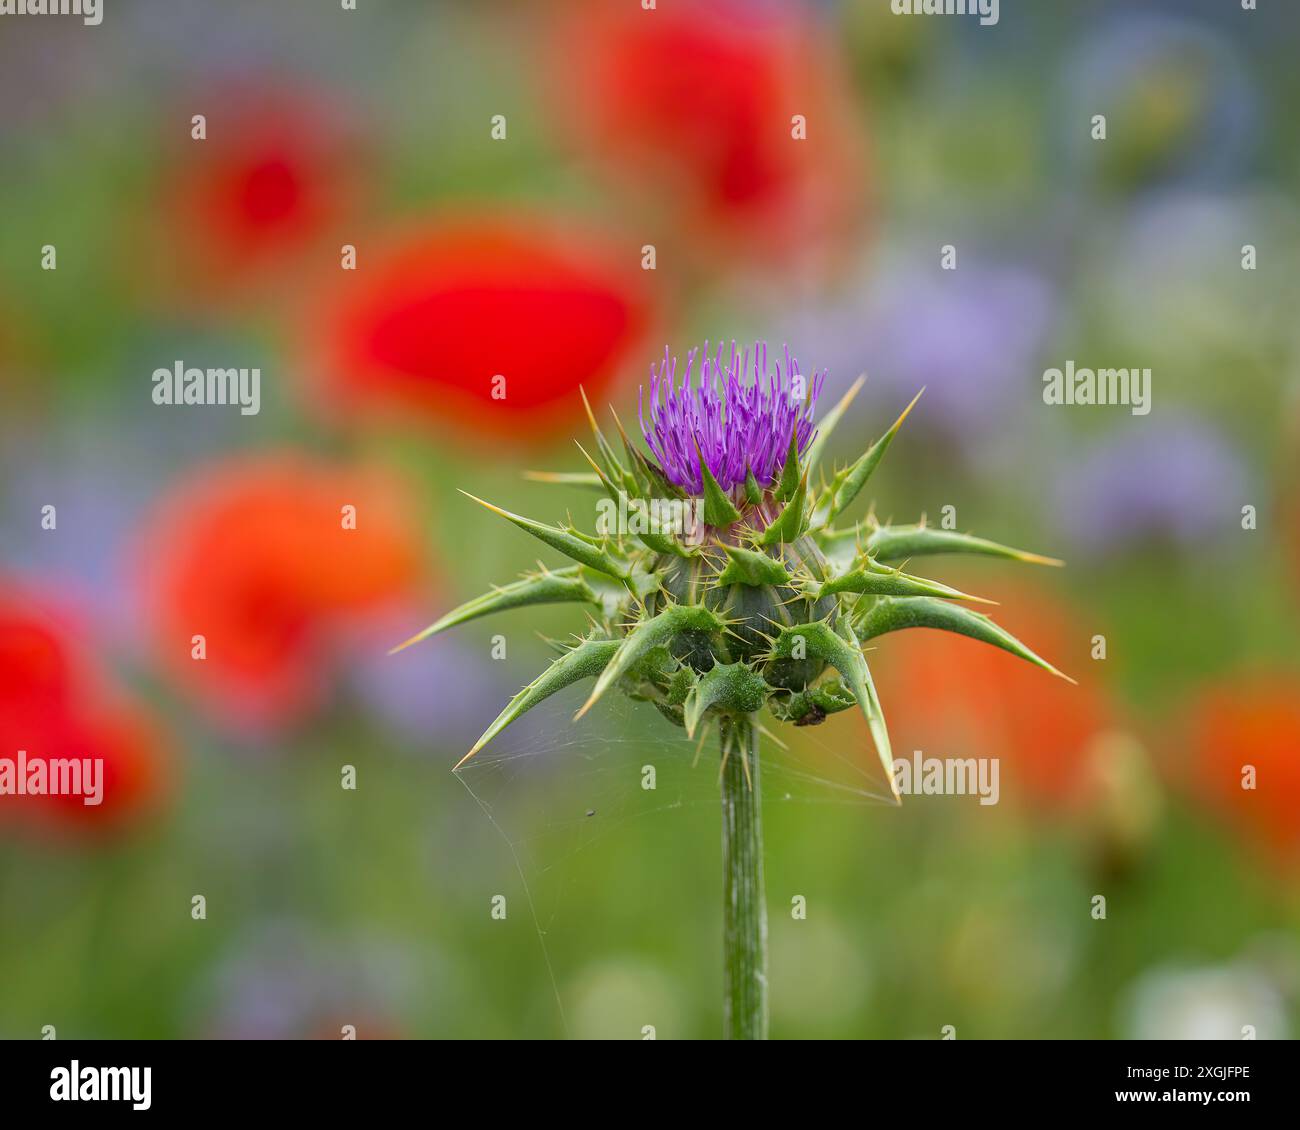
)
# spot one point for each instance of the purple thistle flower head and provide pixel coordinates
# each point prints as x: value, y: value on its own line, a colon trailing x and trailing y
x: 737, y: 417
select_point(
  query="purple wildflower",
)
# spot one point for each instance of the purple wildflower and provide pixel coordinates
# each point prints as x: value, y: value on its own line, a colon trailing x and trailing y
x: 396, y: 694
x: 967, y: 336
x: 1177, y: 481
x: 285, y: 980
x: 736, y: 418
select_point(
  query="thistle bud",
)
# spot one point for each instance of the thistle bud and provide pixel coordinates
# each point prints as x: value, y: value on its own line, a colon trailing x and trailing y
x: 767, y: 599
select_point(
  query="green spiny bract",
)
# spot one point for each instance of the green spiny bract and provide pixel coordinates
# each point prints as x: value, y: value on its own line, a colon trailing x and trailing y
x: 765, y: 601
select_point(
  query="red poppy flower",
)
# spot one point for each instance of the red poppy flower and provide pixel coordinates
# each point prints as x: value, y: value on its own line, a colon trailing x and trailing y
x: 264, y: 559
x: 1250, y: 723
x: 272, y: 177
x: 954, y: 697
x: 698, y: 103
x: 57, y: 707
x: 486, y: 326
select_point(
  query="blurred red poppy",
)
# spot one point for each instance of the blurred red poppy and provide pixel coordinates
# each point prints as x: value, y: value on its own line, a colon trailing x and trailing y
x: 266, y: 559
x: 485, y: 326
x: 273, y: 176
x: 1248, y: 733
x: 954, y: 697
x: 702, y: 106
x: 55, y: 704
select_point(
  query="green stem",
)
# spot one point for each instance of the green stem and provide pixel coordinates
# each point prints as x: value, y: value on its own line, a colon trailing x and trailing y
x: 744, y: 909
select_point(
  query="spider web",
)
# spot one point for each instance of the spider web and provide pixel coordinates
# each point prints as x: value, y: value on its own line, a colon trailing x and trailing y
x: 553, y: 790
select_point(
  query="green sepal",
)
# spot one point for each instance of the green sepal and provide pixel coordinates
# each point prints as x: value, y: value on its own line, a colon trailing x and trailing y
x: 569, y: 542
x: 641, y: 483
x: 649, y: 634
x: 560, y: 586
x: 671, y: 712
x: 821, y: 642
x: 658, y: 485
x: 827, y: 424
x: 791, y: 479
x: 896, y: 542
x: 648, y: 479
x: 750, y: 567
x: 811, y: 706
x: 879, y: 580
x: 791, y: 524
x: 841, y: 548
x: 584, y: 661
x: 846, y: 485
x: 612, y: 592
x: 753, y: 492
x: 733, y: 687
x: 892, y: 615
x: 613, y: 466
x: 606, y: 485
x: 641, y: 582
x: 875, y: 714
x: 719, y: 511
x: 648, y: 678
x: 656, y: 540
x: 588, y: 479
x: 680, y: 685
x: 664, y: 543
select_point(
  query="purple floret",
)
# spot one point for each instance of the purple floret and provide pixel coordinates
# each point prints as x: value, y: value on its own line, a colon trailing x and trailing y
x: 738, y: 416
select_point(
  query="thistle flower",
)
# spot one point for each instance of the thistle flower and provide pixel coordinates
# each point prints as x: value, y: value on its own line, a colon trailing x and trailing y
x: 770, y: 607
x: 735, y: 427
